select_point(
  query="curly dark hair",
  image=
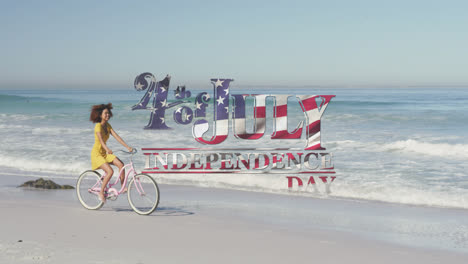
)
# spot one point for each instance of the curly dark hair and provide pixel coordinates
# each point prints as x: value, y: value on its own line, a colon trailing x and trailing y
x: 96, y: 112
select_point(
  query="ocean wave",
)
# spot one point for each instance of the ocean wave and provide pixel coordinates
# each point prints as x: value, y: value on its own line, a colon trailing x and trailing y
x: 368, y: 117
x: 20, y: 117
x: 7, y: 98
x: 44, y: 131
x: 12, y: 98
x: 359, y: 103
x: 60, y: 131
x: 30, y: 104
x: 341, y: 188
x: 457, y: 151
x: 8, y: 126
x: 409, y: 195
x: 451, y: 197
x: 55, y: 166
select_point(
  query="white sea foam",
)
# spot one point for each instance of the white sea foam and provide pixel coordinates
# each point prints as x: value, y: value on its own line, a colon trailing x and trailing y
x: 8, y: 126
x: 60, y: 131
x: 412, y: 195
x: 21, y: 117
x: 385, y: 189
x: 55, y: 166
x: 44, y: 131
x: 391, y: 193
x: 457, y: 151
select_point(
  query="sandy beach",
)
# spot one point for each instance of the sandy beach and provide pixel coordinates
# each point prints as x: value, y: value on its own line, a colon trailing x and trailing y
x: 202, y: 225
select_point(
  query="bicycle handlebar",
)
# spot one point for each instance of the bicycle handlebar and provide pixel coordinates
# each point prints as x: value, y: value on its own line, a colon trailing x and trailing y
x: 134, y: 151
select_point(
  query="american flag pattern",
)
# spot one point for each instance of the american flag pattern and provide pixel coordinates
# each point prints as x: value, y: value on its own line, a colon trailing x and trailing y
x: 141, y: 83
x: 180, y: 92
x: 201, y: 102
x: 312, y: 111
x: 280, y: 113
x: 183, y: 115
x: 238, y: 117
x: 309, y: 106
x: 221, y: 115
x: 159, y: 91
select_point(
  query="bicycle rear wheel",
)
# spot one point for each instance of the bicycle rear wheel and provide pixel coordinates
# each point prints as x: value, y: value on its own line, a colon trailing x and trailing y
x: 87, y: 188
x: 143, y: 194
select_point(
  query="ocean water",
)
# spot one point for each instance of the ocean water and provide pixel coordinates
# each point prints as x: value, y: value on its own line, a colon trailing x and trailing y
x: 406, y: 146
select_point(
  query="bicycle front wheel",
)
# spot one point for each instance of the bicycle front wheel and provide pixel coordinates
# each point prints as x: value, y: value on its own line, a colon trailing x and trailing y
x: 87, y: 188
x: 143, y: 194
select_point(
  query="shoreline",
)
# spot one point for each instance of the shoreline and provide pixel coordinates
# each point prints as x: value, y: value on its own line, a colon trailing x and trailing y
x: 212, y: 224
x: 19, y: 174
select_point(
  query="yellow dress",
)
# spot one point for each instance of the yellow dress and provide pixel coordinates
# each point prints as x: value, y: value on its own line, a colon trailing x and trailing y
x: 98, y: 153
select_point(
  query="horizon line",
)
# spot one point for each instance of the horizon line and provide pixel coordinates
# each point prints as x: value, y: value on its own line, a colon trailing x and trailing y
x: 241, y: 86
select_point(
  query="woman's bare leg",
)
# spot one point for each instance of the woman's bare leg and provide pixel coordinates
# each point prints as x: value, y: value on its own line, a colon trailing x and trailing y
x: 117, y: 162
x: 109, y: 172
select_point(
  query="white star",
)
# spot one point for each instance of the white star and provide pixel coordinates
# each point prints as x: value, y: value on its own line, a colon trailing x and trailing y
x: 220, y: 100
x: 164, y: 103
x: 218, y: 83
x: 138, y: 86
x: 227, y: 109
x: 226, y: 91
x: 206, y: 96
x: 163, y: 89
x: 179, y: 110
x: 187, y: 117
x: 198, y: 105
x: 177, y: 94
x: 162, y: 119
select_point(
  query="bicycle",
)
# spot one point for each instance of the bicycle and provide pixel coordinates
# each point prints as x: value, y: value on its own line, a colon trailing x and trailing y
x: 142, y: 193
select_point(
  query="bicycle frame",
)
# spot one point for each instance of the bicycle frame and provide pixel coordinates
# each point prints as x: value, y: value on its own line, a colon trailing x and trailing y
x: 118, y: 178
x: 97, y: 187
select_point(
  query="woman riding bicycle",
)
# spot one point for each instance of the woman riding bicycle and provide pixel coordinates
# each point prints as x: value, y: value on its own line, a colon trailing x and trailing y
x: 101, y: 155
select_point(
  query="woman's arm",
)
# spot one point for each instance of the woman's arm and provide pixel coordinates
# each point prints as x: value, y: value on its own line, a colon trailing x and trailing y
x: 103, y: 144
x: 120, y: 140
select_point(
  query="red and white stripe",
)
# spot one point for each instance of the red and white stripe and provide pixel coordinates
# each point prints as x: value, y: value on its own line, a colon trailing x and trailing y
x: 314, y: 113
x: 280, y: 113
x: 240, y: 131
x: 309, y: 106
x: 220, y: 126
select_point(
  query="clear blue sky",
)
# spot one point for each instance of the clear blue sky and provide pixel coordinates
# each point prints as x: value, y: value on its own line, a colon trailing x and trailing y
x: 332, y: 43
